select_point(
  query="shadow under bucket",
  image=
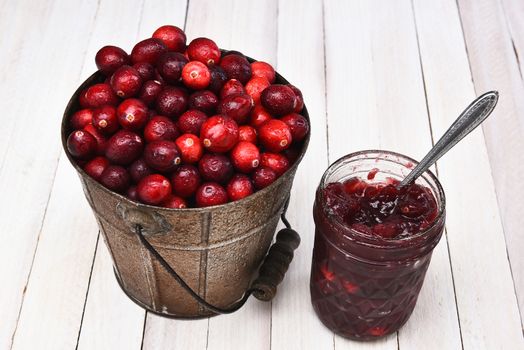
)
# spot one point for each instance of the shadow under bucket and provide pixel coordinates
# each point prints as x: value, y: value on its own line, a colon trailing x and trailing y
x: 216, y: 250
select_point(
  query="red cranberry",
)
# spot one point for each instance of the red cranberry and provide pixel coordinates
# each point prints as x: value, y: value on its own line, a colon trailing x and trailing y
x: 236, y: 107
x: 191, y: 122
x: 292, y: 153
x: 196, y: 75
x: 101, y: 140
x: 150, y: 91
x: 132, y: 114
x: 210, y: 193
x: 132, y: 194
x: 105, y: 120
x: 263, y: 70
x: 218, y: 79
x: 275, y: 135
x: 185, y: 181
x: 115, y: 178
x: 95, y: 167
x: 204, y: 101
x: 239, y: 187
x: 298, y: 126
x: 173, y: 37
x: 174, y: 202
x: 215, y: 167
x: 148, y: 50
x: 299, y: 98
x: 274, y: 161
x: 162, y: 155
x: 236, y: 67
x: 160, y: 128
x: 172, y: 101
x: 170, y: 66
x: 98, y: 95
x: 124, y: 147
x: 219, y: 134
x: 204, y: 50
x: 81, y: 144
x: 126, y: 82
x: 278, y: 99
x: 190, y: 147
x: 109, y: 58
x: 139, y: 169
x: 233, y: 52
x: 245, y: 157
x: 247, y: 133
x: 263, y: 177
x: 81, y: 118
x: 232, y: 87
x: 259, y: 116
x: 255, y: 86
x: 153, y: 189
x: 146, y: 70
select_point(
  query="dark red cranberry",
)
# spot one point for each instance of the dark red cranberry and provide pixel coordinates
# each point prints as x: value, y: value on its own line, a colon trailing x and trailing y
x: 98, y: 95
x: 132, y: 194
x: 101, y: 140
x: 124, y: 147
x: 173, y: 37
x: 185, y: 181
x: 170, y: 66
x: 115, y: 178
x: 263, y: 70
x: 190, y: 147
x: 298, y: 125
x: 219, y: 134
x: 204, y: 50
x: 204, y: 101
x: 233, y: 52
x: 255, y: 86
x: 218, y: 79
x: 232, y: 87
x: 126, y: 82
x: 237, y: 107
x: 146, y: 70
x: 258, y: 116
x: 275, y: 135
x: 95, y: 167
x: 150, y: 91
x: 215, y: 167
x: 245, y: 157
x: 247, y: 133
x: 109, y: 58
x: 139, y: 169
x: 196, y: 75
x: 210, y: 193
x: 132, y: 114
x: 239, y: 187
x: 82, y: 96
x: 174, y: 202
x: 236, y: 67
x: 81, y: 118
x: 299, y: 98
x: 191, y: 122
x: 153, y: 189
x: 172, y: 101
x: 160, y: 128
x: 278, y: 99
x: 105, y: 120
x: 263, y: 177
x: 148, y: 50
x: 81, y: 144
x: 292, y: 153
x: 162, y: 155
x: 274, y: 161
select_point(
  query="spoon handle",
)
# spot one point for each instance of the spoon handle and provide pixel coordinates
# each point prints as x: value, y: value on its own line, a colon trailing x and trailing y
x: 468, y: 120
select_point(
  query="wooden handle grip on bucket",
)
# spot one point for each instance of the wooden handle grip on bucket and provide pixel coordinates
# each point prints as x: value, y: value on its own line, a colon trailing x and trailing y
x: 275, y: 264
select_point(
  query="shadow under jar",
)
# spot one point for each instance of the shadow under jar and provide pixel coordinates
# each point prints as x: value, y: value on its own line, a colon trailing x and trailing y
x: 364, y: 286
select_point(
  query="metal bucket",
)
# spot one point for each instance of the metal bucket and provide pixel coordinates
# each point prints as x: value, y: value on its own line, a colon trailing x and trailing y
x: 216, y: 250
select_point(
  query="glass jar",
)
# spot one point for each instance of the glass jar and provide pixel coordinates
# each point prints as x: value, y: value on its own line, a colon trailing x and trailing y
x: 364, y: 286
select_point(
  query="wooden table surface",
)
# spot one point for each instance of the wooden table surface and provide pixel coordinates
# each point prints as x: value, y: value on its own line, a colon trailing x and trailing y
x: 387, y: 74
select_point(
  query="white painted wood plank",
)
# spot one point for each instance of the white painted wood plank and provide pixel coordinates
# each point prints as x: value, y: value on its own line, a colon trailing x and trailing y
x: 514, y: 13
x: 294, y: 323
x: 494, y: 66
x: 376, y: 100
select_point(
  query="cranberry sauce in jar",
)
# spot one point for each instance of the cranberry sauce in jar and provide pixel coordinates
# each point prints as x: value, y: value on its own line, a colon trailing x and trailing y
x: 373, y: 242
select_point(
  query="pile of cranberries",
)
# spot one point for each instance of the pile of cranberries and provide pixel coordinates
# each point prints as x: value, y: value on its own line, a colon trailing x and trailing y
x: 178, y: 125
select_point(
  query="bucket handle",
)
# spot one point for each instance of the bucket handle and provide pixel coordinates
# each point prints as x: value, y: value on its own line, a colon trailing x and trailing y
x: 271, y: 272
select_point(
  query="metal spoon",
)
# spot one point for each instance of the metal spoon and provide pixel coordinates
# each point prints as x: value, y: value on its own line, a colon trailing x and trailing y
x: 467, y: 121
